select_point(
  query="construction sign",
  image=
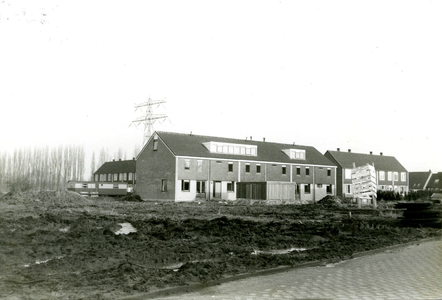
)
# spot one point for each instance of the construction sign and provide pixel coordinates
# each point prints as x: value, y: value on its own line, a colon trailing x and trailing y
x: 364, y: 182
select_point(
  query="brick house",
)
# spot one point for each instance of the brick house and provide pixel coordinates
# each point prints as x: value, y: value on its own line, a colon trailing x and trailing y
x: 117, y: 171
x: 434, y: 183
x: 187, y: 167
x: 419, y: 180
x: 390, y: 174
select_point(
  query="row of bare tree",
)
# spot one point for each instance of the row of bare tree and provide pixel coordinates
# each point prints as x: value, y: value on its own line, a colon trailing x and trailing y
x: 41, y: 168
x: 44, y: 168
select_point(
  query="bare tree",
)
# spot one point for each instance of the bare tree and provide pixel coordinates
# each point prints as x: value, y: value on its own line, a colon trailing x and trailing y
x: 92, y: 166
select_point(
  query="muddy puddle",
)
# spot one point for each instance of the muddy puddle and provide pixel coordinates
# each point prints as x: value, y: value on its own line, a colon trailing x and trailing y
x: 279, y: 251
x: 126, y: 228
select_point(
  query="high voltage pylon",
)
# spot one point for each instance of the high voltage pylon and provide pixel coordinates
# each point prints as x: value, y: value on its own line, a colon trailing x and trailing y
x: 149, y: 118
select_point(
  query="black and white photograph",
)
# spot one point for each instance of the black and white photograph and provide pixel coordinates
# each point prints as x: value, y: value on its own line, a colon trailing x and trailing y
x: 230, y: 150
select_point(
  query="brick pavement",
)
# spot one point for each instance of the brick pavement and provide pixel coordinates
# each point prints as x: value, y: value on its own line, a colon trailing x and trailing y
x: 412, y: 272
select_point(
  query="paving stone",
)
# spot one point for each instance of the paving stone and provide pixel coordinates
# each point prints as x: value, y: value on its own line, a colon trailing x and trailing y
x: 413, y: 272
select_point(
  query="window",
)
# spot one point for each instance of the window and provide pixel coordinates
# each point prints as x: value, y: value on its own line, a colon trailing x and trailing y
x: 389, y: 176
x: 200, y: 187
x: 125, y: 176
x: 155, y: 144
x: 347, y: 173
x: 96, y: 177
x: 298, y: 170
x: 109, y: 177
x: 231, y: 186
x: 185, y: 185
x: 258, y: 169
x: 130, y: 176
x: 120, y: 177
x: 284, y: 170
x: 187, y: 164
x: 230, y: 166
x: 307, y: 171
x: 115, y: 176
x: 247, y: 168
x: 348, y: 188
x: 164, y: 185
x: 328, y: 172
x: 295, y: 153
x: 84, y: 185
x: 403, y: 176
x: 396, y: 176
x: 200, y: 165
x: 329, y: 189
x: 228, y: 148
x: 381, y: 175
x: 307, y: 188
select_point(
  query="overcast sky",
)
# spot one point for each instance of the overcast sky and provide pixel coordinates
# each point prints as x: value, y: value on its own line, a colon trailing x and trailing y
x: 360, y: 75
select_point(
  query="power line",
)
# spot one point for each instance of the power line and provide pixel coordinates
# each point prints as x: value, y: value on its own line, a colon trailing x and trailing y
x: 149, y: 117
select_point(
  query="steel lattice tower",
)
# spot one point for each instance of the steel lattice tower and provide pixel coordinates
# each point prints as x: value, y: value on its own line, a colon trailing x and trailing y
x: 149, y: 117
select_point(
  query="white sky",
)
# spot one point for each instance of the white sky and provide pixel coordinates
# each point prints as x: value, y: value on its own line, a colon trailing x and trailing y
x: 364, y: 75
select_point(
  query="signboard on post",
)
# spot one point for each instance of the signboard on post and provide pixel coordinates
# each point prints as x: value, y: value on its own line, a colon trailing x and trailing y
x: 364, y: 183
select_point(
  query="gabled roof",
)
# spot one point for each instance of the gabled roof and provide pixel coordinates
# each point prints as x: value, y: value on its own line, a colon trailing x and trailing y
x: 435, y: 181
x: 192, y: 146
x: 119, y: 166
x: 381, y: 162
x: 418, y: 180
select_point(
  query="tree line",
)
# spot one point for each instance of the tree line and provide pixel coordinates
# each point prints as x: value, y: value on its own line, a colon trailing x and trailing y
x: 41, y: 168
x: 45, y: 168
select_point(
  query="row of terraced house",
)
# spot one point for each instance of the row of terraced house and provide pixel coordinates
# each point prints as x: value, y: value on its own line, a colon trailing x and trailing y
x: 188, y: 167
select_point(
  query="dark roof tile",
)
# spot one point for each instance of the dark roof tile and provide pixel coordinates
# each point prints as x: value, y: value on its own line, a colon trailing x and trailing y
x: 381, y: 162
x: 192, y: 146
x: 120, y: 166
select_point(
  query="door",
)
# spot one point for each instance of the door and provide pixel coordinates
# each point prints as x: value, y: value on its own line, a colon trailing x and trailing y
x: 217, y: 189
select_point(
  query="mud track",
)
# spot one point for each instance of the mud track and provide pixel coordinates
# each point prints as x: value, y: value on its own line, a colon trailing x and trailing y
x: 58, y: 245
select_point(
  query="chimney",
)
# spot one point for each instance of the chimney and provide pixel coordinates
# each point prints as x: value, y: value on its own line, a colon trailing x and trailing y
x: 349, y: 150
x: 293, y: 143
x: 339, y: 149
x: 119, y: 159
x: 191, y: 133
x: 263, y: 139
x: 382, y: 153
x: 113, y: 159
x: 133, y: 158
x: 250, y: 137
x: 371, y: 152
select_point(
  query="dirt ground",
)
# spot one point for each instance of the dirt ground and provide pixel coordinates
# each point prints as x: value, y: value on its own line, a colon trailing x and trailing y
x: 59, y: 245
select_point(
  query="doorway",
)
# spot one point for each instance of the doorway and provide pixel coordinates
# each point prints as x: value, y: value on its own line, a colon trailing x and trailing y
x: 217, y: 189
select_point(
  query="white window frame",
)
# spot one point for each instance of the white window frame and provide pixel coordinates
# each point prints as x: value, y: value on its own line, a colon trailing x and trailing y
x: 381, y: 175
x: 183, y: 182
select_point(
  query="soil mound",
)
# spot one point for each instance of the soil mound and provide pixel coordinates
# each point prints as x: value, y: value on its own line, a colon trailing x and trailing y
x: 46, y: 197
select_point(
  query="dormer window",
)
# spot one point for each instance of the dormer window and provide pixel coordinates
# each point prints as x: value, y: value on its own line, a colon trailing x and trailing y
x: 227, y: 148
x: 295, y: 153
